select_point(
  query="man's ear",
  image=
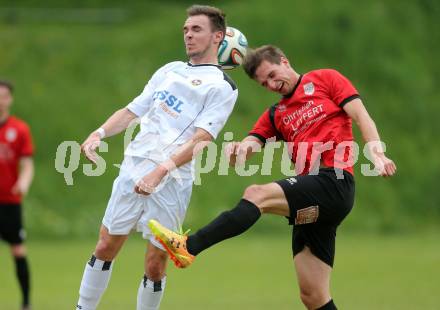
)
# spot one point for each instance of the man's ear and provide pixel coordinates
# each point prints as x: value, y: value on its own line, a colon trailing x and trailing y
x: 218, y: 36
x: 285, y: 61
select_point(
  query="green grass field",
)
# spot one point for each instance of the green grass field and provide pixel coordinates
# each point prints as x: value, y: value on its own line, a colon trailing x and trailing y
x: 372, y: 272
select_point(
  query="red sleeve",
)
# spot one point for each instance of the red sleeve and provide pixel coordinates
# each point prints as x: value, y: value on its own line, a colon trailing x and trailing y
x: 27, y: 147
x: 263, y: 128
x: 341, y: 89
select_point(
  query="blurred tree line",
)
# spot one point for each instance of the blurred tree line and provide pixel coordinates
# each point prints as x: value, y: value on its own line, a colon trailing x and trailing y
x: 73, y: 65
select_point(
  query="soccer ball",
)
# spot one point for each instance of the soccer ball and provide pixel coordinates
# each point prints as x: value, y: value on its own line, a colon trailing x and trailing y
x: 233, y: 49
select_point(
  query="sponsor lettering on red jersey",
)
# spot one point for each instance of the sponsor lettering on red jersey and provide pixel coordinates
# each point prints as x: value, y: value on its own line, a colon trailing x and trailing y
x: 313, y: 122
x: 15, y: 143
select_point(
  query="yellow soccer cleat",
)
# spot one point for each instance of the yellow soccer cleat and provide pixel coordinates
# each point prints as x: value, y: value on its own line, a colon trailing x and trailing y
x: 174, y: 244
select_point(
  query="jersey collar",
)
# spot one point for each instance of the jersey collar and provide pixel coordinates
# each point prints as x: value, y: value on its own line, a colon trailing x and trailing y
x: 202, y: 65
x: 289, y: 95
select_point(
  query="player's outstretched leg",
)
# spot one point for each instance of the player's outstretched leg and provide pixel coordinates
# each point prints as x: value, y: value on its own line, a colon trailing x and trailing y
x: 228, y: 224
x: 257, y: 199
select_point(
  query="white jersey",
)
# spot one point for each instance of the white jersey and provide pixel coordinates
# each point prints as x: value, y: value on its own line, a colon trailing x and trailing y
x: 179, y: 98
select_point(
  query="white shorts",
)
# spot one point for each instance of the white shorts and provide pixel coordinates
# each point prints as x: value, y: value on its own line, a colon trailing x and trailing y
x: 127, y: 210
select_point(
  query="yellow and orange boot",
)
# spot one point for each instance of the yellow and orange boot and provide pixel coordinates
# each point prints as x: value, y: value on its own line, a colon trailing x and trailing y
x: 174, y: 244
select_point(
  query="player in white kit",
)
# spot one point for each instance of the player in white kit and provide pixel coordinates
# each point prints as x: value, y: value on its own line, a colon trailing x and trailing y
x: 182, y: 105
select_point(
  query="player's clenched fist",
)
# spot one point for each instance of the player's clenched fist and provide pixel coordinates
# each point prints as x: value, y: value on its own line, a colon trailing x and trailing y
x: 147, y: 185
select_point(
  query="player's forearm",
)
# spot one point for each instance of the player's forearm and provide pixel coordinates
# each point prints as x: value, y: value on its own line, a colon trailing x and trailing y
x: 368, y: 129
x: 186, y: 152
x: 26, y: 174
x: 118, y: 122
x: 184, y: 155
x: 369, y: 133
x: 357, y: 111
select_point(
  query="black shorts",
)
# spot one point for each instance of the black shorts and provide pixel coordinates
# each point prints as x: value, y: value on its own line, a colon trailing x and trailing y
x: 318, y: 204
x: 11, y: 224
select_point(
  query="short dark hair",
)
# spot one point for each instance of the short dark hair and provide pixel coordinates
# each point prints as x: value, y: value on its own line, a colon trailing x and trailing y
x: 254, y: 58
x: 215, y: 15
x: 8, y: 85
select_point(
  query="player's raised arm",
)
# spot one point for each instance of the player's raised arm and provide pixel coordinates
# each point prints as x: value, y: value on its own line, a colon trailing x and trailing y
x: 357, y: 111
x: 116, y: 123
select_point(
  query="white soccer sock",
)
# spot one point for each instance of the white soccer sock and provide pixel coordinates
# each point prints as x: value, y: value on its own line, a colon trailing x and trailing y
x: 94, y: 282
x: 150, y: 294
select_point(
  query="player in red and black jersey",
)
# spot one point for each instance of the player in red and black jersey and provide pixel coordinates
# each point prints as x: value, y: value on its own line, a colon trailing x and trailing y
x: 315, y: 117
x: 16, y: 173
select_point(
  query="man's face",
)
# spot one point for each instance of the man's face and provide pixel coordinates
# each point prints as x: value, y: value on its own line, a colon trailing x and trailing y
x: 276, y: 78
x: 199, y: 38
x: 5, y: 98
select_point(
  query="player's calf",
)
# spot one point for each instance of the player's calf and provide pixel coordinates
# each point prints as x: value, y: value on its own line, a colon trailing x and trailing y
x: 152, y: 286
x: 94, y: 282
x: 155, y: 263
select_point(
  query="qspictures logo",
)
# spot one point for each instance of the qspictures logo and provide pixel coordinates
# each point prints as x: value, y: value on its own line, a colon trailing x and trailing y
x: 208, y: 156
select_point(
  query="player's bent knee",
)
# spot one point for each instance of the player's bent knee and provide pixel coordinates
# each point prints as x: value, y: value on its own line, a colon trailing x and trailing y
x: 255, y: 194
x: 105, y: 250
x: 18, y: 250
x: 312, y: 298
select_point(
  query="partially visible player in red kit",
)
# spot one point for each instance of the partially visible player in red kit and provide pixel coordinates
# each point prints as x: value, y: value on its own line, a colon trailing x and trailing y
x: 315, y: 117
x: 16, y: 173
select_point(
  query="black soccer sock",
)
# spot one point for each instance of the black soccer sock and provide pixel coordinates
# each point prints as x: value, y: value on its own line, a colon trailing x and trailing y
x: 227, y: 225
x: 328, y: 306
x: 22, y: 272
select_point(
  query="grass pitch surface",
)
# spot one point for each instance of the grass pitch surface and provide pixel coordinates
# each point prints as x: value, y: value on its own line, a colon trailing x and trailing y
x: 371, y: 272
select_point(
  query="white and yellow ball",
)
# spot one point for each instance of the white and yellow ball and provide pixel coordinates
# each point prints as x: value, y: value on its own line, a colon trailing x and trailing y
x: 233, y: 49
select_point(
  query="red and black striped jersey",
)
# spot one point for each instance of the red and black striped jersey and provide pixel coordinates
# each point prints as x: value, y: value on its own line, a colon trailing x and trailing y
x: 312, y: 121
